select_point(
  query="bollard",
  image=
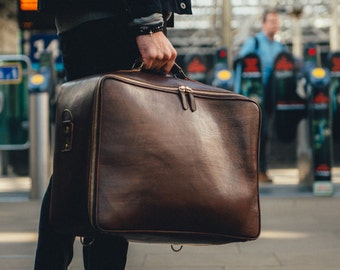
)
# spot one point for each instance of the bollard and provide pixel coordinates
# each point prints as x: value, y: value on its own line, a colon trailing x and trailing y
x: 39, y: 135
x: 304, y: 154
x: 320, y: 123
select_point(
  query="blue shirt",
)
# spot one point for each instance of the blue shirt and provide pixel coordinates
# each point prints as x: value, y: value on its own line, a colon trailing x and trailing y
x: 267, y: 50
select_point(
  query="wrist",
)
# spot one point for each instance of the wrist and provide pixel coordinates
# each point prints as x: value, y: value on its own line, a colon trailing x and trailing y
x: 148, y: 25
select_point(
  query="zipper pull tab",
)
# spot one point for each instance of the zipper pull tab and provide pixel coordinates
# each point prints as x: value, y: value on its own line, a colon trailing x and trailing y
x: 182, y: 91
x: 191, y: 98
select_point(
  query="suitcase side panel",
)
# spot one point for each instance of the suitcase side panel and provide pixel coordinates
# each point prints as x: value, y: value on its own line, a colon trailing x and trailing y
x: 69, y: 203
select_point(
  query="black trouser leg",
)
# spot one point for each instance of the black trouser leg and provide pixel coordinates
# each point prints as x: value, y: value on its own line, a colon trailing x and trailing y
x: 106, y: 253
x: 54, y: 250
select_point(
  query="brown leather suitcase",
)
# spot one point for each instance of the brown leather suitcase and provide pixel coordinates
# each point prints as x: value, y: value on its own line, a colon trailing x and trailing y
x: 156, y: 159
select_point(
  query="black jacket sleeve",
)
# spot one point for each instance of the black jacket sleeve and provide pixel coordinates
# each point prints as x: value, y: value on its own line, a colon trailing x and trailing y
x: 177, y: 6
x: 136, y: 8
x: 143, y: 8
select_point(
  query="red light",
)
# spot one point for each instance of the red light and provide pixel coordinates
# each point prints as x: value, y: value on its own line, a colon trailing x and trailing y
x: 222, y: 54
x: 312, y: 51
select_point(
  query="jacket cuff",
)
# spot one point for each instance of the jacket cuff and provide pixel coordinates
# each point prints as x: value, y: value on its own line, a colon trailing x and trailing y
x: 143, y: 8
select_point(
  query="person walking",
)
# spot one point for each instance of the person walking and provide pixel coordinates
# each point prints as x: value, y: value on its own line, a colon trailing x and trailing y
x: 267, y: 48
x: 101, y: 36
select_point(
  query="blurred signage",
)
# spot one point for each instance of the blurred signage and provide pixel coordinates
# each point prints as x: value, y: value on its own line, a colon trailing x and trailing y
x: 319, y: 73
x: 14, y: 70
x: 222, y: 56
x: 283, y: 64
x: 251, y: 64
x: 10, y: 73
x: 196, y: 66
x: 224, y: 75
x: 39, y: 43
x: 28, y: 5
x: 334, y: 65
x: 30, y: 19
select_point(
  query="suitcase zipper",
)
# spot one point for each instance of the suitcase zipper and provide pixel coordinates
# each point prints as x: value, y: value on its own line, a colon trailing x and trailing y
x: 183, y: 90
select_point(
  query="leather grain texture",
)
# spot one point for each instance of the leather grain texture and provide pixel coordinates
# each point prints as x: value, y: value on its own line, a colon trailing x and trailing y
x: 156, y: 159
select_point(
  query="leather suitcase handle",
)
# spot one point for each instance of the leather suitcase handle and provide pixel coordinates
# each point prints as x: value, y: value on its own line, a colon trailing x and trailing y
x: 176, y: 70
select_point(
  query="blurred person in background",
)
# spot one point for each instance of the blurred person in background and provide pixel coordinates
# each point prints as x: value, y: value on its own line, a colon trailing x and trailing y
x: 267, y: 48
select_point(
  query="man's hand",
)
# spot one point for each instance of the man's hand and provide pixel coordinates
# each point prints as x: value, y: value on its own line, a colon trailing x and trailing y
x: 157, y: 52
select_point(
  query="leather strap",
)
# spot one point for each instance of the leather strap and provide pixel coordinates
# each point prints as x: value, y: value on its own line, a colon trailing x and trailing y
x: 176, y: 70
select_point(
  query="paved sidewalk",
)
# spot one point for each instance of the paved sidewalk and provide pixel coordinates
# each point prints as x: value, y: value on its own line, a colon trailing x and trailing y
x: 299, y: 232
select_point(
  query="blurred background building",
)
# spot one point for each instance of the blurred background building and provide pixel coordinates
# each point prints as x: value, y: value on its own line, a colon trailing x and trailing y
x: 218, y: 23
x: 205, y: 41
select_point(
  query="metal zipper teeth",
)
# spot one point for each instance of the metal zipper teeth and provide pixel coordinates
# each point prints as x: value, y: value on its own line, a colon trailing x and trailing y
x: 175, y: 89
